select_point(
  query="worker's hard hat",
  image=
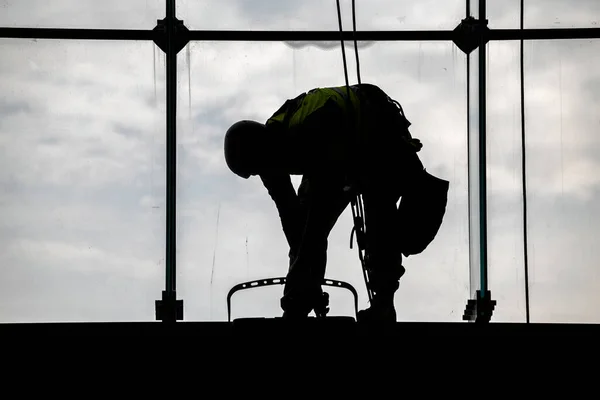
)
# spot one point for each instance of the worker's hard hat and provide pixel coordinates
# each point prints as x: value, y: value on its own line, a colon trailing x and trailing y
x: 241, y: 141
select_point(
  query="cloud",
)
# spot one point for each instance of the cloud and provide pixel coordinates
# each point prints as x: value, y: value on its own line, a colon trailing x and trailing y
x: 103, y: 148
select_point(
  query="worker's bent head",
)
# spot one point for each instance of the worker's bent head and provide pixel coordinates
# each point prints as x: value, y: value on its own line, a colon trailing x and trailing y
x: 245, y: 143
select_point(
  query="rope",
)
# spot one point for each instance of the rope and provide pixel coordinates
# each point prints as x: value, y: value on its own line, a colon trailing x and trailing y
x: 356, y: 203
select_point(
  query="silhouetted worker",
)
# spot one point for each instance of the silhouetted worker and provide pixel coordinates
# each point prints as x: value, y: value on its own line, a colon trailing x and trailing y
x: 340, y: 152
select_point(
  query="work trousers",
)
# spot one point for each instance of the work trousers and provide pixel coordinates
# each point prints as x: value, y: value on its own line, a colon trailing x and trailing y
x: 380, y: 169
x: 321, y: 200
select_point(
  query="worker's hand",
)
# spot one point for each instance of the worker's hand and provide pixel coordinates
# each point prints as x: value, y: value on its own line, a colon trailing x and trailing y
x: 416, y: 144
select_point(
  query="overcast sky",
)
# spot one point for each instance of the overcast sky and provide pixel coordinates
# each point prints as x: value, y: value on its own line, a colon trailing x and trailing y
x: 82, y: 153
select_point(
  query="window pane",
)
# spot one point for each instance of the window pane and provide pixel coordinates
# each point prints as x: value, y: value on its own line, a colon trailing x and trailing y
x: 504, y: 182
x: 82, y: 181
x: 562, y: 14
x: 319, y: 15
x: 562, y: 83
x: 473, y: 177
x: 229, y: 229
x: 505, y: 14
x: 107, y: 14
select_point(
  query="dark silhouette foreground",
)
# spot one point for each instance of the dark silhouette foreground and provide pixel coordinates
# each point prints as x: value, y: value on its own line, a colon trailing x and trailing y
x: 343, y: 141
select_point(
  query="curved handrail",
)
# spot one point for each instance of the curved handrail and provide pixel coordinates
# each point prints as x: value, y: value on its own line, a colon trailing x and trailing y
x: 281, y: 281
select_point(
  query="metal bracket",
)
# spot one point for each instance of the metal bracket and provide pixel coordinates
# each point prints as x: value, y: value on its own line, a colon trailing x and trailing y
x: 470, y: 34
x: 181, y: 34
x: 480, y: 309
x: 169, y: 309
x: 281, y: 281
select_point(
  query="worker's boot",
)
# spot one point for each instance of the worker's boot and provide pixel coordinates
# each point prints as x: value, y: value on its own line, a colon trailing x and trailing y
x: 300, y: 306
x: 382, y: 309
x: 321, y: 305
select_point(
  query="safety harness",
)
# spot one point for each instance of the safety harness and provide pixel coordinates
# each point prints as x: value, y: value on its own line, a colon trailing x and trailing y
x: 356, y: 201
x: 358, y: 229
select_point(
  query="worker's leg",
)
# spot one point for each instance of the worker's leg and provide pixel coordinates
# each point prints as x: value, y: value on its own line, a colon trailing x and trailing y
x: 384, y: 262
x: 386, y: 175
x: 322, y: 201
x: 322, y: 143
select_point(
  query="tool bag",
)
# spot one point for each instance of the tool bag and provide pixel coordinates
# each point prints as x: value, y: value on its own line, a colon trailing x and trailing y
x: 421, y: 212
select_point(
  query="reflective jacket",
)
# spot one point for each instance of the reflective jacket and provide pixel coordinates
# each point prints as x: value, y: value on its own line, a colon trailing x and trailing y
x: 295, y: 111
x: 422, y: 208
x: 357, y: 111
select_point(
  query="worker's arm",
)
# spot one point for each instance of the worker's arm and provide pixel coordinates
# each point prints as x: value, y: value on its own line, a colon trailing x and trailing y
x: 284, y: 196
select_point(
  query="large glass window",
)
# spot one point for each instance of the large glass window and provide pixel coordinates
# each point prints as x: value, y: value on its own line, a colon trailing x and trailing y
x: 82, y: 180
x: 229, y: 230
x: 83, y: 138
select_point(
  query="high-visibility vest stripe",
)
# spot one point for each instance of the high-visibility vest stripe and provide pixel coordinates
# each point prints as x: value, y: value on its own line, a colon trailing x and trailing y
x: 295, y: 111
